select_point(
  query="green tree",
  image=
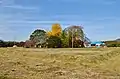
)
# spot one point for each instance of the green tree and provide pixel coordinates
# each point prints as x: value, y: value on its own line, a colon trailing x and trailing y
x: 1, y: 43
x: 75, y: 35
x: 38, y: 37
x: 65, y: 40
x: 54, y: 42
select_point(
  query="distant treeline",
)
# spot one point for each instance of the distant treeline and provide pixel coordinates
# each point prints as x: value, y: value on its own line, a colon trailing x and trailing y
x: 69, y: 37
x: 26, y: 44
x: 11, y: 43
x: 113, y: 43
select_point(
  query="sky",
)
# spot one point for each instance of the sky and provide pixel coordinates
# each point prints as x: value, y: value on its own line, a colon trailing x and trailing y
x: 100, y: 19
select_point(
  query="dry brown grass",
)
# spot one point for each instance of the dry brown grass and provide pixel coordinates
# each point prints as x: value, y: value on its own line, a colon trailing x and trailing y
x: 85, y: 63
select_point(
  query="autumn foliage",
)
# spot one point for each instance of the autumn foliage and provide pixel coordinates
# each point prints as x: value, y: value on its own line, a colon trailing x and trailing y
x: 56, y: 30
x: 72, y: 36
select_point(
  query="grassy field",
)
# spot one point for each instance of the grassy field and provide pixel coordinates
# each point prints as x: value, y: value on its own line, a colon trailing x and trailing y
x: 85, y: 63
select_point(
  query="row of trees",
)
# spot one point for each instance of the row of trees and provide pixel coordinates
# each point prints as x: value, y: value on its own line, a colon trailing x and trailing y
x: 114, y: 43
x: 72, y: 36
x: 11, y: 43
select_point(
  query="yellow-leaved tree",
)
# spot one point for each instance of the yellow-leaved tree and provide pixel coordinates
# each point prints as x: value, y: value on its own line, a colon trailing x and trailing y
x: 49, y: 33
x: 56, y: 30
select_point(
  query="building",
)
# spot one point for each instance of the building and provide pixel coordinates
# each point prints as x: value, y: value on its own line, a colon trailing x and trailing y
x: 97, y: 44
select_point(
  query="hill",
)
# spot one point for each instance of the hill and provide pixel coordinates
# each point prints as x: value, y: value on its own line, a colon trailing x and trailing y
x: 118, y: 39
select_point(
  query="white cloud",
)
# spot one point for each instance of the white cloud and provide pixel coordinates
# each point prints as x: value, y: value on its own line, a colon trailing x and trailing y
x: 67, y: 0
x: 12, y: 4
x: 20, y: 7
x: 47, y: 22
x: 105, y: 2
x: 7, y: 2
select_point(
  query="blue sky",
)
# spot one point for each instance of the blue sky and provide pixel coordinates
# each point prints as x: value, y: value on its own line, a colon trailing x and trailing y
x: 100, y: 18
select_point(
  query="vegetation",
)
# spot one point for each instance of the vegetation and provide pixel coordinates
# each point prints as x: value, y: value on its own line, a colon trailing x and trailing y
x: 75, y: 35
x: 38, y: 37
x: 56, y: 30
x: 11, y: 43
x: 65, y: 40
x: 84, y: 63
x: 29, y: 44
x: 113, y: 43
x: 72, y: 36
x: 54, y: 42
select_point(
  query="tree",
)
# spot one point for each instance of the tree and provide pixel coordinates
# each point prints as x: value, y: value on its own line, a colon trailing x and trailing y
x: 1, y: 43
x: 10, y: 43
x: 113, y: 43
x: 29, y: 44
x: 20, y: 44
x: 54, y: 42
x: 49, y: 33
x: 38, y: 36
x: 65, y: 40
x: 56, y: 30
x: 53, y: 39
x: 76, y: 36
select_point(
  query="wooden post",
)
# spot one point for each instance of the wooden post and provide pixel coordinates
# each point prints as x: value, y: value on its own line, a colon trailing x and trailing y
x: 72, y: 38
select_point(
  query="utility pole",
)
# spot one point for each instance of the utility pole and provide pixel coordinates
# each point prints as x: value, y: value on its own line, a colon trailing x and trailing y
x: 68, y: 38
x: 72, y: 38
x: 14, y: 39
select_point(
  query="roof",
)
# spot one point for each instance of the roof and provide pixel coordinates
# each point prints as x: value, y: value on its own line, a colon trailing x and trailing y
x: 97, y: 42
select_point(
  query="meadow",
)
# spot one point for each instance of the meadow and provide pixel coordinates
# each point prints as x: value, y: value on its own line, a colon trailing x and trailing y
x: 62, y: 63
